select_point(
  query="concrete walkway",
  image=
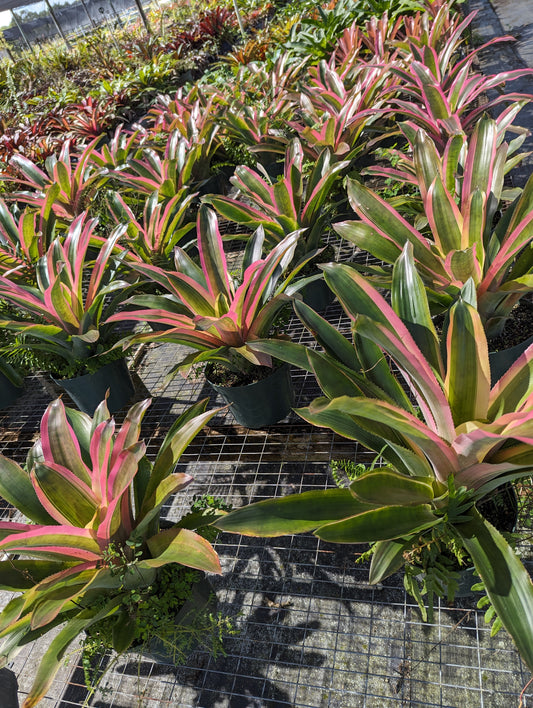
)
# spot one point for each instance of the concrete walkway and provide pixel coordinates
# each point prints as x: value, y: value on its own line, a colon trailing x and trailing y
x: 516, y: 18
x: 497, y: 18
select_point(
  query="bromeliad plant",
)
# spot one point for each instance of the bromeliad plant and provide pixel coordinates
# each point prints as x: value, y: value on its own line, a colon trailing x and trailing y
x: 93, y: 541
x: 25, y: 240
x: 293, y: 202
x: 462, y: 192
x: 375, y: 41
x: 63, y: 314
x: 88, y: 119
x: 208, y: 308
x: 258, y: 106
x: 439, y: 94
x: 185, y: 163
x: 406, y: 169
x: 461, y: 437
x: 163, y: 225
x: 261, y: 128
x: 69, y: 180
x: 193, y: 115
x: 316, y: 35
x: 338, y: 109
x: 123, y: 146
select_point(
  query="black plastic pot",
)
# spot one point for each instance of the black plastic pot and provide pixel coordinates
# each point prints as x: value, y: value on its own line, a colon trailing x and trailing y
x: 8, y: 689
x: 9, y: 393
x: 318, y: 295
x: 502, y: 360
x: 262, y: 403
x: 89, y: 390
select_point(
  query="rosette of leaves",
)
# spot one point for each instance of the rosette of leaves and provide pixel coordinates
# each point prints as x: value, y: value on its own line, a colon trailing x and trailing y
x: 67, y: 312
x: 218, y: 312
x: 462, y: 235
x: 68, y: 183
x: 295, y: 201
x: 438, y: 89
x: 93, y: 539
x: 24, y: 240
x: 446, y: 433
x: 153, y: 238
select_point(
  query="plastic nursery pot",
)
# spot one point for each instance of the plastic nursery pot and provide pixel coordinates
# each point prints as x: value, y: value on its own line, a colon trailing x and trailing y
x: 318, y: 295
x: 9, y: 393
x: 261, y: 403
x: 89, y: 390
x: 202, y: 599
x: 501, y: 361
x: 8, y: 689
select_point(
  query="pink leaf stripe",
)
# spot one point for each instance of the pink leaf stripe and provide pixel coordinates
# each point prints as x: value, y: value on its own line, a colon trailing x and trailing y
x: 124, y: 470
x: 131, y: 428
x: 510, y: 247
x: 69, y: 477
x: 63, y: 540
x: 100, y: 449
x: 211, y: 248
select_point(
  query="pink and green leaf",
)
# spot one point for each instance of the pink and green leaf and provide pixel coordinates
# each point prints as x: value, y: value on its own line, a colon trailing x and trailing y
x: 444, y: 218
x: 60, y: 443
x: 212, y: 256
x: 66, y: 542
x: 514, y: 388
x: 100, y: 450
x: 424, y: 384
x: 54, y: 484
x: 182, y: 546
x: 295, y: 513
x: 379, y: 214
x: 382, y: 524
x: 467, y: 383
x: 16, y: 488
x: 123, y: 469
x: 389, y: 421
x: 130, y: 429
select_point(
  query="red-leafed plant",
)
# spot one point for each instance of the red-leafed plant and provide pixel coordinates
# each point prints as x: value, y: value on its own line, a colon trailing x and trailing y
x: 218, y: 22
x: 90, y: 118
